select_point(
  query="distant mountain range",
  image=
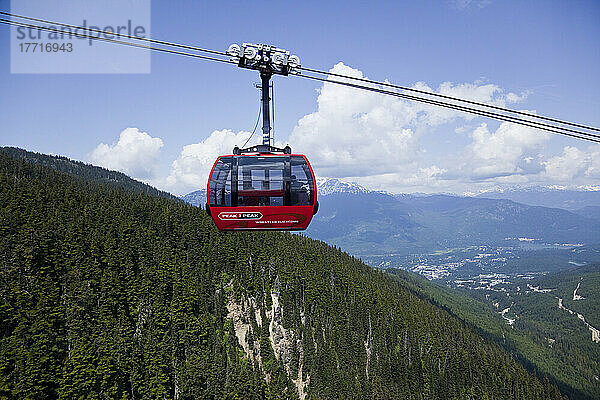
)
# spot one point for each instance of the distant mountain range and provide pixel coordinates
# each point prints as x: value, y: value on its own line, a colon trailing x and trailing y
x: 366, y: 222
x: 376, y: 223
x: 553, y: 197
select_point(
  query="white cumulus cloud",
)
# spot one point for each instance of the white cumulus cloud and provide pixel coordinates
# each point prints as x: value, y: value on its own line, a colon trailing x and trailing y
x: 574, y: 165
x: 136, y: 154
x: 412, y: 179
x: 190, y: 170
x: 481, y: 93
x: 511, y: 149
x: 356, y: 133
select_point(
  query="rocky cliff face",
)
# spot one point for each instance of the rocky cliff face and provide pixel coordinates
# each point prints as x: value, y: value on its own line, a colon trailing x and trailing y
x: 245, y: 314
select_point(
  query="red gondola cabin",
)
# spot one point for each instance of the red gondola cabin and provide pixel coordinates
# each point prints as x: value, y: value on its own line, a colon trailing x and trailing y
x: 262, y: 191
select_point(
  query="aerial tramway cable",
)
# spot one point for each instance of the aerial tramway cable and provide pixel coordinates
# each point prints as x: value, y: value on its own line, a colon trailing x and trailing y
x: 516, y: 119
x: 507, y: 118
x: 523, y: 113
x: 142, y: 46
x: 121, y: 35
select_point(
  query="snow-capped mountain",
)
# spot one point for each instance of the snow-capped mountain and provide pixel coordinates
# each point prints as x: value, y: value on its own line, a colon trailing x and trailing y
x: 326, y: 186
x: 196, y: 198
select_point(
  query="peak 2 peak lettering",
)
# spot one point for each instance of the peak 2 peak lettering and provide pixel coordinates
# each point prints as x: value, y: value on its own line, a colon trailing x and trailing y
x: 42, y: 48
x: 239, y: 215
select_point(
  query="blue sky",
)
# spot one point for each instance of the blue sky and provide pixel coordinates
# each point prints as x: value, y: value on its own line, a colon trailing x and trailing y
x: 545, y: 52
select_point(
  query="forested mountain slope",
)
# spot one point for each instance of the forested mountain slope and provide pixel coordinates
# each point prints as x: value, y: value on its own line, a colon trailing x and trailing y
x: 110, y: 293
x: 544, y: 337
x: 82, y: 170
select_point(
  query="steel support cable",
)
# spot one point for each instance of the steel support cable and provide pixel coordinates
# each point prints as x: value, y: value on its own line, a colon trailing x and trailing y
x: 255, y: 126
x: 484, y: 113
x: 534, y: 124
x: 451, y: 98
x: 506, y: 118
x: 142, y: 46
x: 161, y: 42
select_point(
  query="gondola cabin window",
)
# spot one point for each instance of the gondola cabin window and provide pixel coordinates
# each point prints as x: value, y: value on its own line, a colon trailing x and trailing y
x: 220, y: 183
x: 261, y: 181
x: 302, y: 184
